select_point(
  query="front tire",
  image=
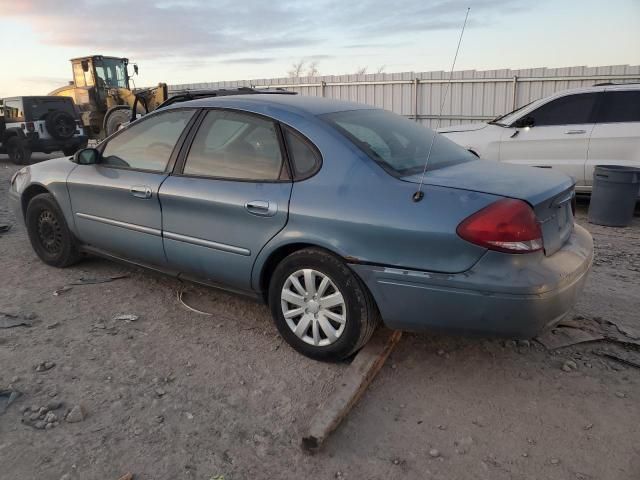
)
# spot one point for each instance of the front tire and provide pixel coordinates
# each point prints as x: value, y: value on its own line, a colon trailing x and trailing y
x: 320, y: 307
x: 18, y: 151
x: 49, y: 235
x: 116, y: 119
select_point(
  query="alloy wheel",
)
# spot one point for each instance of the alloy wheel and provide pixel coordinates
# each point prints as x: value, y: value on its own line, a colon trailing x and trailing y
x: 313, y: 307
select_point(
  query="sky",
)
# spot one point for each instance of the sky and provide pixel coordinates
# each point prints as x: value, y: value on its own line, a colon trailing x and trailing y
x: 191, y: 41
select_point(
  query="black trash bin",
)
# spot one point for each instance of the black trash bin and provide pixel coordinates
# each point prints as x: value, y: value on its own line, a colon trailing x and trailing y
x: 614, y: 196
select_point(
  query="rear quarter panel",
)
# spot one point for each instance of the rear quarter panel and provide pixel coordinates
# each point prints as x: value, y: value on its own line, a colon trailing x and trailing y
x: 357, y: 210
x: 613, y: 144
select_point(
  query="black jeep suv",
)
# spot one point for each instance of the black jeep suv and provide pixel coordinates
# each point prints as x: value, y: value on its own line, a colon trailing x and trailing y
x: 39, y: 124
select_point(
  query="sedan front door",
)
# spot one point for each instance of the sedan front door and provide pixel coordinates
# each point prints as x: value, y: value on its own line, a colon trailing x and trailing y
x: 557, y: 136
x: 228, y: 198
x: 115, y: 202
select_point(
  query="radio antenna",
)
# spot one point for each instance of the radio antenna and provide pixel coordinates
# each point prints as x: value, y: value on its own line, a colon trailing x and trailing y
x: 419, y: 193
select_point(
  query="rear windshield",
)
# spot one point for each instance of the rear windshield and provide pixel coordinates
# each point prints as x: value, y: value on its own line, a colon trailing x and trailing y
x: 399, y: 145
x: 36, y: 108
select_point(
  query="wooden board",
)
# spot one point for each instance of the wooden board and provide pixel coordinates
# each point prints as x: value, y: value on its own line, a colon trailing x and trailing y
x: 560, y: 337
x: 353, y: 383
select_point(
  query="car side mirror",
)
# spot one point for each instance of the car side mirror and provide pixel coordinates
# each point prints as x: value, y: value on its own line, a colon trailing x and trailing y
x: 87, y: 156
x: 524, y: 122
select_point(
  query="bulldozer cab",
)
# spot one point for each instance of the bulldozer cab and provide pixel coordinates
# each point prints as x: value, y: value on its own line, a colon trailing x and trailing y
x: 105, y: 95
x: 100, y: 72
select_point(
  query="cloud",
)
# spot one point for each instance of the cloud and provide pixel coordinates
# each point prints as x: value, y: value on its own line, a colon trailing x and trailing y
x: 208, y: 30
x: 248, y: 60
x: 319, y: 57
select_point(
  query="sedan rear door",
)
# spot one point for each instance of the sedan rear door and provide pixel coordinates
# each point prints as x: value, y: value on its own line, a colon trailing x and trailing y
x: 558, y: 138
x: 616, y: 137
x: 228, y: 198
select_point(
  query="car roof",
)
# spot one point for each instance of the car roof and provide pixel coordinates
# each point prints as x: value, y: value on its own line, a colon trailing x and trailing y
x: 595, y: 88
x: 39, y: 97
x: 291, y: 103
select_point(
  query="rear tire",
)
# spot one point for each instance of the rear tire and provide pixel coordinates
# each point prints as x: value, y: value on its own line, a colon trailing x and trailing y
x: 49, y: 235
x: 18, y: 151
x: 332, y: 325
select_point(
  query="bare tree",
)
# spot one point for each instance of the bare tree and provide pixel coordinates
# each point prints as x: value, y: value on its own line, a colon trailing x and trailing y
x: 381, y: 69
x: 296, y: 69
x: 362, y: 70
x: 312, y: 69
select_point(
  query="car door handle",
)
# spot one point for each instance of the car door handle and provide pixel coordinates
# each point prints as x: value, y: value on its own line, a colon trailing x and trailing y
x: 140, y: 191
x: 261, y: 208
x: 575, y: 132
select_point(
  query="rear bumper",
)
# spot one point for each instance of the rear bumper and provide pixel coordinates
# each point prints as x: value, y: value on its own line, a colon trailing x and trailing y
x: 506, y: 295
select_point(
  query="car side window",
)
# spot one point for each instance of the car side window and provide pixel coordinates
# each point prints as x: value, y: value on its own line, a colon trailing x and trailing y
x: 13, y: 111
x: 304, y: 157
x: 567, y: 110
x: 620, y: 107
x: 235, y: 146
x: 147, y: 145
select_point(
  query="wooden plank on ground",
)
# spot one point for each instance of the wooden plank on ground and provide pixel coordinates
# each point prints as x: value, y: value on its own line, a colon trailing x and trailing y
x: 353, y: 383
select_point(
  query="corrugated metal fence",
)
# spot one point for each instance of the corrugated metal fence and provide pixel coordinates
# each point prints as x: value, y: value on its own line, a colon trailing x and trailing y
x: 474, y: 95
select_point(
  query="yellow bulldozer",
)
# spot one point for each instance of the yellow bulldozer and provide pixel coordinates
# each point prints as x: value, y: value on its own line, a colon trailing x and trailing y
x: 102, y: 92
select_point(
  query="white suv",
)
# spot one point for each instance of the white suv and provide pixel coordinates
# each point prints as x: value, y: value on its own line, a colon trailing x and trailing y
x: 571, y: 131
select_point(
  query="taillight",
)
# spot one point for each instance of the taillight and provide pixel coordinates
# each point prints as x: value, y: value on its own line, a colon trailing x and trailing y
x: 506, y: 226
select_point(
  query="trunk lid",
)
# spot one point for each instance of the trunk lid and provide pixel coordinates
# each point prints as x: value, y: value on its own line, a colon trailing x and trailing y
x: 548, y: 192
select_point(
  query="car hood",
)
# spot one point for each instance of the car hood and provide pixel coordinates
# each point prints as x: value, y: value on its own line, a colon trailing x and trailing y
x: 467, y: 127
x: 530, y: 184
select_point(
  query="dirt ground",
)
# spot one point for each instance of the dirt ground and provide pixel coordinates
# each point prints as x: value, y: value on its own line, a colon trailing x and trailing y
x: 178, y: 395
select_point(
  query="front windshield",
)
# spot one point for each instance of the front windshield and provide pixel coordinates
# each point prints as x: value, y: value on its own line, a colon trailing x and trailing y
x: 399, y: 145
x: 508, y: 118
x: 111, y: 73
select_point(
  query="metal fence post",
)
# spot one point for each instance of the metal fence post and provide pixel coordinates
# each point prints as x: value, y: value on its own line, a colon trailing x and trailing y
x: 515, y: 91
x: 323, y: 85
x: 416, y: 82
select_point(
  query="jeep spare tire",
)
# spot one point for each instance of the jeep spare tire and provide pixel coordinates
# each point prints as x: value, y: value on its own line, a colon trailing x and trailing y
x: 60, y: 125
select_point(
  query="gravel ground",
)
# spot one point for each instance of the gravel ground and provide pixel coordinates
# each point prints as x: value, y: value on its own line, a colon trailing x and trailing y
x: 173, y: 394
